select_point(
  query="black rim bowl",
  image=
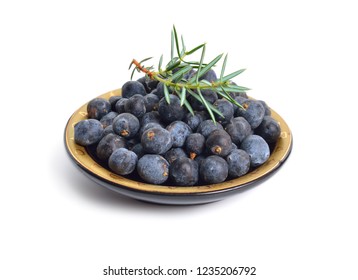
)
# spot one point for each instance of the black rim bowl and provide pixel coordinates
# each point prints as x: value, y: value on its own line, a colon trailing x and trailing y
x: 165, y: 194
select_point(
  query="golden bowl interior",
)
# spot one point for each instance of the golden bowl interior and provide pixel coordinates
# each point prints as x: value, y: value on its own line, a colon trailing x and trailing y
x: 85, y: 161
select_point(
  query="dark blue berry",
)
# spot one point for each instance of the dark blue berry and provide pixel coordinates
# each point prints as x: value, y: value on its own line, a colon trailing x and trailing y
x: 173, y: 154
x: 195, y: 144
x: 184, y: 172
x: 136, y: 105
x: 119, y: 107
x: 138, y: 150
x: 257, y: 148
x: 148, y: 83
x: 209, y: 76
x: 113, y: 101
x: 238, y: 162
x: 98, y: 108
x: 209, y: 95
x: 132, y: 142
x: 152, y: 102
x: 108, y: 119
x: 108, y: 145
x: 122, y: 161
x: 88, y: 132
x: 131, y: 88
x: 150, y: 117
x: 239, y: 99
x: 179, y: 131
x: 238, y: 129
x: 226, y: 109
x: 233, y: 145
x: 203, y: 114
x: 219, y: 143
x: 126, y: 125
x: 171, y: 112
x: 213, y: 169
x: 153, y: 169
x: 199, y: 159
x: 208, y: 126
x: 155, y: 92
x: 108, y: 130
x: 269, y: 129
x: 267, y: 108
x: 193, y: 120
x: 156, y: 140
x: 147, y: 126
x: 253, y: 112
x: 159, y: 91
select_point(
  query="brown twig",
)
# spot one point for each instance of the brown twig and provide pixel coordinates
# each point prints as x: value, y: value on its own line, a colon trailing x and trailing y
x: 141, y: 68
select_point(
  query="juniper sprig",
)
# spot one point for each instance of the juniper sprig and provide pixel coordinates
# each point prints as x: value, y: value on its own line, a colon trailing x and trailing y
x: 183, y: 77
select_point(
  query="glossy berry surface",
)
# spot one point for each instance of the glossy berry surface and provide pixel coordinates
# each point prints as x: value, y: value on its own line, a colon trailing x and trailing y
x: 153, y: 169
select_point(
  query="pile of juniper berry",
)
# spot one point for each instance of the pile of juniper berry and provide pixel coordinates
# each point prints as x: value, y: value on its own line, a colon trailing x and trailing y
x: 140, y: 135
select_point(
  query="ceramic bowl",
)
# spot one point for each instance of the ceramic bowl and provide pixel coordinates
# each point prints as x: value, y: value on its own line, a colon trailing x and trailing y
x: 135, y: 188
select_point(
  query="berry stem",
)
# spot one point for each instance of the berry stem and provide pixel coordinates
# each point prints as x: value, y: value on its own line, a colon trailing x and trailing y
x: 143, y: 69
x: 154, y: 76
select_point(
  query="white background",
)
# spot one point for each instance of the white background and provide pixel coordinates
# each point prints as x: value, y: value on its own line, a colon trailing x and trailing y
x: 301, y: 57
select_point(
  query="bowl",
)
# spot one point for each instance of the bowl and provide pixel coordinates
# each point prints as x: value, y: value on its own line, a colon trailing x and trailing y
x: 164, y: 194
